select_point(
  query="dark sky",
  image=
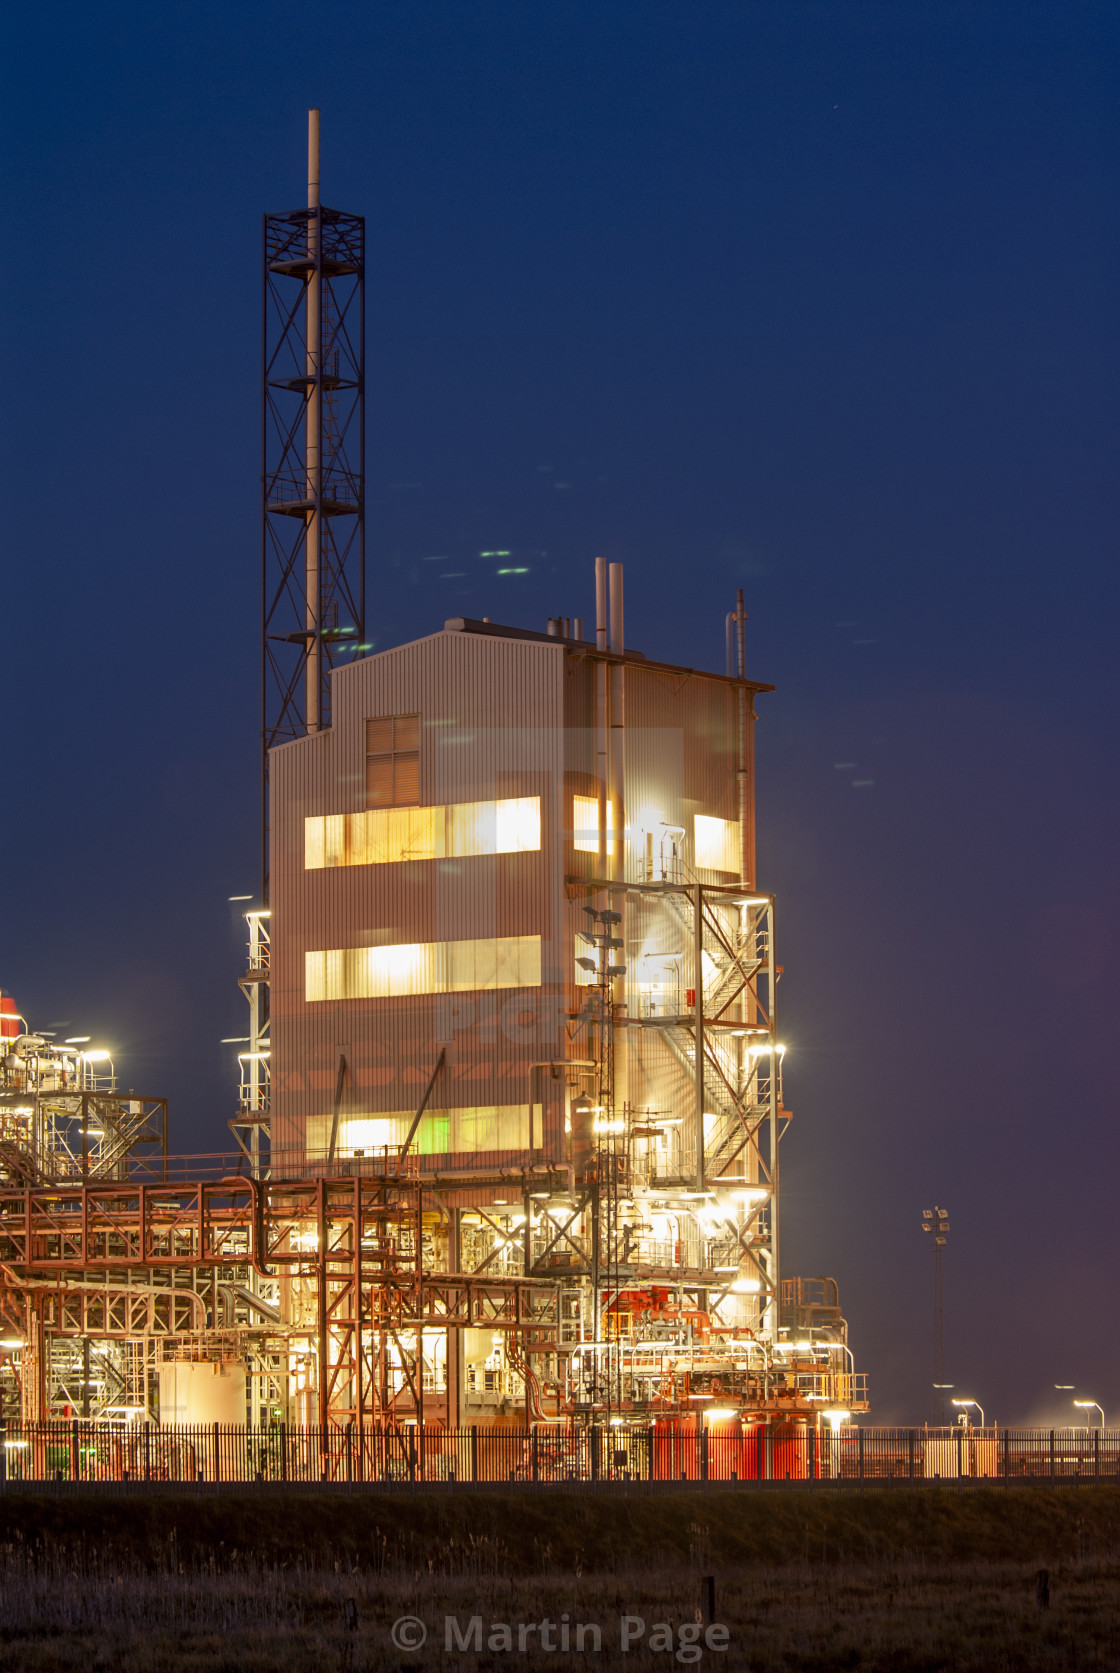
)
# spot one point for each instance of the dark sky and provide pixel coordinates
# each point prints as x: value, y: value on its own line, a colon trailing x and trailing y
x: 816, y: 299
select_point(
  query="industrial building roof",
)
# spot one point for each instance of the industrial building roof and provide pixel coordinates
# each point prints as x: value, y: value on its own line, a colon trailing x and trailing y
x: 497, y: 630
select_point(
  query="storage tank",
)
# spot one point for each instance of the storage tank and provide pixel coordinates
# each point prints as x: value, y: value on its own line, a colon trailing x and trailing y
x: 201, y: 1391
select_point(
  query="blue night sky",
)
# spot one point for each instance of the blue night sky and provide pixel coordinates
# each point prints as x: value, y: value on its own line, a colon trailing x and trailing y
x: 813, y: 299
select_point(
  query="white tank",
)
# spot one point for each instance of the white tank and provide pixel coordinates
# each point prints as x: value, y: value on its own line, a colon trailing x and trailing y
x: 201, y: 1391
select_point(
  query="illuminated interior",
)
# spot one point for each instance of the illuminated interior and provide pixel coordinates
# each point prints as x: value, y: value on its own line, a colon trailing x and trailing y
x: 470, y: 1131
x: 389, y: 835
x: 408, y: 969
x: 585, y: 824
x: 716, y: 843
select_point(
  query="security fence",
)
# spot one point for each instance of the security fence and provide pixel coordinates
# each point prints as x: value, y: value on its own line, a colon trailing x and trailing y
x: 665, y: 1451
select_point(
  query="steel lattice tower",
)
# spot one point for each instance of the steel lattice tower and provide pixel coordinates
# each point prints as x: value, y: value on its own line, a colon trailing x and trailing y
x: 313, y: 464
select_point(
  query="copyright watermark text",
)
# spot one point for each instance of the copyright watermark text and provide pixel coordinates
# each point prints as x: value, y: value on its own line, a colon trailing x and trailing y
x: 684, y: 1642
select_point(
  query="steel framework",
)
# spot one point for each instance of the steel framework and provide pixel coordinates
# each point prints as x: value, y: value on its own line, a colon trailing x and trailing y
x: 343, y: 1290
x: 722, y: 1031
x: 313, y: 464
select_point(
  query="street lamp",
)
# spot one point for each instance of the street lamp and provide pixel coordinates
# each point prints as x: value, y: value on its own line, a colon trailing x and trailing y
x: 1094, y: 1405
x: 936, y: 1222
x: 975, y: 1403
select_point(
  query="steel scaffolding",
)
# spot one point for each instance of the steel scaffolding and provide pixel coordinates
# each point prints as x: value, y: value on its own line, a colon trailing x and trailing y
x: 313, y: 464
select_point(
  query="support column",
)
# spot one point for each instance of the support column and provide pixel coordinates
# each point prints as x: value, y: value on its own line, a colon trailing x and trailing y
x: 698, y: 978
x: 456, y: 1357
x: 324, y: 1345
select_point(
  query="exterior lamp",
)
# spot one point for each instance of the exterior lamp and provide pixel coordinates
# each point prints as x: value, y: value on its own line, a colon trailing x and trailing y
x: 837, y: 1419
x: 1094, y: 1405
x: 975, y: 1403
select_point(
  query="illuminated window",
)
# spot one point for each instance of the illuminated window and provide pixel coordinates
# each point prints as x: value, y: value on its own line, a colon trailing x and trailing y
x: 393, y: 761
x: 384, y: 836
x: 585, y: 824
x: 440, y: 1133
x: 405, y: 970
x: 492, y: 1127
x: 716, y: 844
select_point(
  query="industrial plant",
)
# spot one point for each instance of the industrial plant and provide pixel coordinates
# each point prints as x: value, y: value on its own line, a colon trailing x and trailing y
x: 505, y: 1147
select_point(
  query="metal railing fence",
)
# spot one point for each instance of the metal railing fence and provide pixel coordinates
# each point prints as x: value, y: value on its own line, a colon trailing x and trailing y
x: 668, y: 1451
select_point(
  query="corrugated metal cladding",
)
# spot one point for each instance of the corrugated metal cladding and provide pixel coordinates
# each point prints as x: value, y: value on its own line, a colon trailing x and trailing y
x: 491, y: 717
x: 499, y: 717
x: 681, y: 740
x: 680, y: 760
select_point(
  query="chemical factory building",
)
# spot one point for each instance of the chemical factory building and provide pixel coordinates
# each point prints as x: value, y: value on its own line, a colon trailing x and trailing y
x: 433, y: 856
x: 520, y: 1163
x: 511, y: 1098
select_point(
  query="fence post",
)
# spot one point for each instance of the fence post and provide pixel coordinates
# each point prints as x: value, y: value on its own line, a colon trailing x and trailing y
x: 474, y: 1451
x: 910, y: 1459
x: 1096, y: 1453
x: 74, y: 1466
x: 859, y: 1432
x: 649, y: 1453
x: 704, y: 1440
x: 350, y: 1450
x: 536, y: 1460
x: 593, y: 1438
x: 217, y: 1454
x: 812, y: 1439
x: 1053, y: 1471
x: 1006, y: 1456
x: 3, y: 1455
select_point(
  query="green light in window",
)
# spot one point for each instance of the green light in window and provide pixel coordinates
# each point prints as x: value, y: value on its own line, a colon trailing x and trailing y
x: 524, y: 571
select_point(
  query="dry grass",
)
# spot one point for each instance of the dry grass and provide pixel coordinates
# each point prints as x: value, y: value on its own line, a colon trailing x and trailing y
x: 133, y: 1584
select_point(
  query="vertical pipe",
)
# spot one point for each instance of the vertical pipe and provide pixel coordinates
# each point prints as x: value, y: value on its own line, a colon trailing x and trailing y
x: 456, y: 1356
x: 601, y: 720
x: 698, y: 978
x: 775, y: 1263
x: 360, y: 469
x: 321, y: 1308
x: 313, y: 445
x: 729, y: 630
x: 617, y: 634
x: 418, y: 1292
x: 595, y: 1251
x: 359, y: 1392
x: 617, y: 868
x: 618, y: 727
x: 745, y: 765
x: 263, y: 648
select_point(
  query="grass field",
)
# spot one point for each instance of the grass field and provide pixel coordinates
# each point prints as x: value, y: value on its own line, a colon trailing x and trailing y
x: 907, y: 1580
